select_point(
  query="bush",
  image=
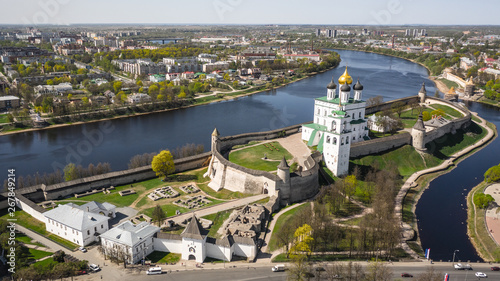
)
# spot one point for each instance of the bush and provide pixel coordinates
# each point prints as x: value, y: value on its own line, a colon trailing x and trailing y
x: 492, y: 175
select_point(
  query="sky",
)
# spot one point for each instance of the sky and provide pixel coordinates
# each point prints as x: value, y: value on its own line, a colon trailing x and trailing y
x: 317, y: 12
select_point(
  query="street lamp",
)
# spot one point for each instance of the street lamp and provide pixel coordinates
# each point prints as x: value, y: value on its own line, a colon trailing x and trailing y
x: 453, y: 261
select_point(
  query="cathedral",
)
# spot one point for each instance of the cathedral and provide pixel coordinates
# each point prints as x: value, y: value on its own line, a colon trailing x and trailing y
x: 339, y: 121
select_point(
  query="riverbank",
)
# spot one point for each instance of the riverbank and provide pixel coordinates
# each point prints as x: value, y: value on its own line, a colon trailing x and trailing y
x: 420, y: 181
x: 230, y: 96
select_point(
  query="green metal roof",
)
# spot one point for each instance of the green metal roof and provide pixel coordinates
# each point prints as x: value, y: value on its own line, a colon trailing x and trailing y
x: 359, y: 121
x: 316, y: 126
x: 338, y: 112
x: 337, y: 100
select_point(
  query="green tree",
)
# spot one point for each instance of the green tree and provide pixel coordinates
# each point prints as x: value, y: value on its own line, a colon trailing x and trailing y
x: 158, y: 215
x: 350, y: 183
x: 139, y: 83
x: 182, y: 94
x: 482, y: 200
x: 163, y: 164
x: 117, y: 86
x: 70, y: 96
x: 236, y: 84
x: 85, y: 100
x: 398, y: 108
x: 153, y: 89
x: 227, y: 77
x: 492, y: 175
x: 82, y: 71
x: 70, y: 172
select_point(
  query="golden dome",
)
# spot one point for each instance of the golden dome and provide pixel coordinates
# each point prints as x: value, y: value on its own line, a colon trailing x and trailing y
x: 345, y: 78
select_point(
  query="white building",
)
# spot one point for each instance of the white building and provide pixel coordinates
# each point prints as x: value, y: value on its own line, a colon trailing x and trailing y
x: 76, y: 225
x: 138, y: 98
x: 193, y: 244
x: 53, y: 89
x: 134, y: 241
x: 339, y: 120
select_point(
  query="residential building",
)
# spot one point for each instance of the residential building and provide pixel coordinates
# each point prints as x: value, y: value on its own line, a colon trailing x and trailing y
x: 138, y: 98
x: 134, y: 241
x: 155, y: 78
x: 220, y: 65
x: 8, y: 102
x: 53, y: 89
x: 79, y: 226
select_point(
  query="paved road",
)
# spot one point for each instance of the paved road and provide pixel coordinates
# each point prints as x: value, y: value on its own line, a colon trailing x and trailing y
x: 255, y: 272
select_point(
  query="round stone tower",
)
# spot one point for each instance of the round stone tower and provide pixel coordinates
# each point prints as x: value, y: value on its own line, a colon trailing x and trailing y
x: 284, y: 171
x: 215, y: 140
x: 418, y: 134
x: 422, y: 93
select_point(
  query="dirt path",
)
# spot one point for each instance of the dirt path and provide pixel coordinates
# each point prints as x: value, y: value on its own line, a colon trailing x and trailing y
x: 440, y: 85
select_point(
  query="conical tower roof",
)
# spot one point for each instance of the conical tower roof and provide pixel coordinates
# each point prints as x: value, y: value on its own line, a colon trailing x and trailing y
x: 423, y: 90
x: 420, y: 123
x: 215, y: 133
x: 283, y: 165
x: 194, y: 230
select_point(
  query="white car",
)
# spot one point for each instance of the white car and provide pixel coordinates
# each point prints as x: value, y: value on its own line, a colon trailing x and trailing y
x: 94, y: 267
x: 82, y: 249
x: 481, y: 275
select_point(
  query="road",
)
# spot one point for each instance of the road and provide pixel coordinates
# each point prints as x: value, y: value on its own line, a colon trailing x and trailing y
x: 255, y: 272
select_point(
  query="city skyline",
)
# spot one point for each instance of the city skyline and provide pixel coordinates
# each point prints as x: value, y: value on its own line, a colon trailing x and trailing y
x: 318, y: 12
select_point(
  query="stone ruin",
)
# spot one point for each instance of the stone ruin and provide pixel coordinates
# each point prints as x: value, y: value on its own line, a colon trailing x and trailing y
x: 246, y: 222
x: 192, y: 202
x: 163, y: 192
x: 191, y: 188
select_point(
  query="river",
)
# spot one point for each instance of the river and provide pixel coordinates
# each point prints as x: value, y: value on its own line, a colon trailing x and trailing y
x: 118, y: 140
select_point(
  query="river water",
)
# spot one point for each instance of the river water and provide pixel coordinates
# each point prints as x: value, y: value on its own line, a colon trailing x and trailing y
x: 118, y: 140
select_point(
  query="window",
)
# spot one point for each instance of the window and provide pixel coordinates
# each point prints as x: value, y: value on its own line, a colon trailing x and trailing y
x: 328, y: 139
x: 334, y: 140
x: 354, y: 129
x: 353, y: 138
x: 88, y: 232
x: 360, y: 115
x: 319, y: 111
x: 102, y: 226
x: 95, y: 228
x: 346, y: 140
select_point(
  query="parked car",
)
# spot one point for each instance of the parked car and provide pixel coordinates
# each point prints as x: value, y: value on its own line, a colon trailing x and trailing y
x: 94, y: 267
x: 481, y: 275
x: 278, y: 268
x: 83, y: 249
x: 406, y: 275
x: 495, y: 268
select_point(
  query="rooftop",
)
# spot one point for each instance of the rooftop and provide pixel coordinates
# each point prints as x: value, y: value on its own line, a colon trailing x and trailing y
x: 130, y: 234
x: 75, y: 217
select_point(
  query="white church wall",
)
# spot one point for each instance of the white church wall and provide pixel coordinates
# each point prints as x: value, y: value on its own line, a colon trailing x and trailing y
x: 192, y: 247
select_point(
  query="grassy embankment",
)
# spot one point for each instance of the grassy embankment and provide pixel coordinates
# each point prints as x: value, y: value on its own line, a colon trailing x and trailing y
x: 253, y: 157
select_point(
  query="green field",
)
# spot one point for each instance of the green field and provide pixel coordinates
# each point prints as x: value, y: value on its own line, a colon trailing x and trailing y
x: 406, y: 159
x: 282, y: 220
x: 409, y: 119
x: 217, y: 219
x: 3, y: 118
x: 448, y: 110
x: 449, y: 83
x: 252, y: 157
x: 21, y: 237
x: 163, y: 257
x: 37, y: 254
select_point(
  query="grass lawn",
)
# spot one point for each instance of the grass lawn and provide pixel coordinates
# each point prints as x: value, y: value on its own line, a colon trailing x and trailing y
x: 24, y: 219
x: 282, y: 220
x: 3, y: 118
x: 449, y: 83
x: 406, y: 159
x: 252, y: 157
x: 21, y: 237
x: 217, y: 219
x: 37, y: 254
x: 448, y: 110
x: 448, y: 144
x: 114, y: 197
x: 223, y: 194
x: 409, y: 119
x: 168, y: 209
x: 163, y: 257
x: 46, y: 263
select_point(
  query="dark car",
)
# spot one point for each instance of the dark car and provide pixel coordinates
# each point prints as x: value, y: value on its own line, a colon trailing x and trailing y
x: 495, y: 268
x: 406, y: 275
x: 81, y: 272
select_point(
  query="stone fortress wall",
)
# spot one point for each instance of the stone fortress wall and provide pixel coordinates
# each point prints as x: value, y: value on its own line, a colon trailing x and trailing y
x: 287, y: 187
x: 234, y: 177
